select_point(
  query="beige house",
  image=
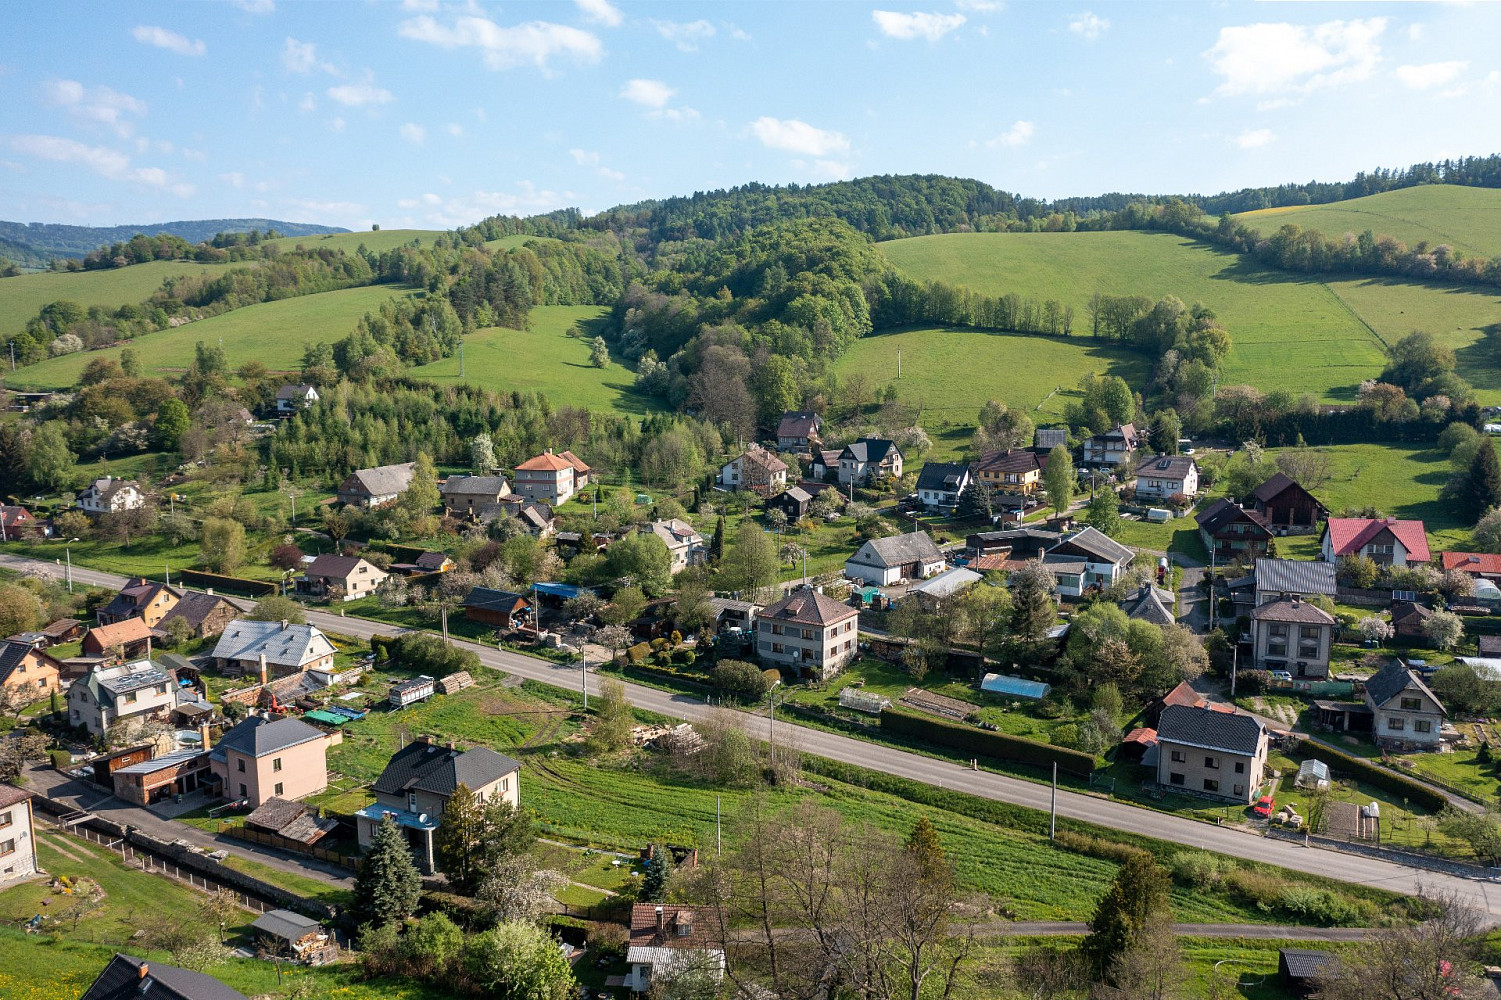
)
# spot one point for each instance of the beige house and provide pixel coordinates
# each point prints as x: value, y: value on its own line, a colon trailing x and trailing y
x: 346, y: 578
x: 808, y: 633
x: 1218, y: 755
x: 1288, y: 633
x: 684, y: 544
x: 135, y: 693
x: 1403, y: 709
x: 1018, y: 470
x: 27, y: 671
x: 283, y: 648
x: 140, y: 598
x: 553, y: 478
x: 757, y: 471
x: 418, y: 781
x: 376, y: 487
x: 17, y: 835
x: 467, y: 496
x: 1162, y: 477
x: 1113, y: 447
x: 259, y: 759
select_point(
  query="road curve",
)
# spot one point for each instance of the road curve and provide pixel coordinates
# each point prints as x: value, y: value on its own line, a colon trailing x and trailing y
x: 1355, y: 869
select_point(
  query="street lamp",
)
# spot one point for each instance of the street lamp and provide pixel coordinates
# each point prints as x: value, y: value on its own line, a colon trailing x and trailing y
x: 68, y: 551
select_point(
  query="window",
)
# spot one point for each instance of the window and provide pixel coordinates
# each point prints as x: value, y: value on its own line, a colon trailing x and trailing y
x: 1175, y: 778
x: 1309, y: 632
x: 243, y: 793
x: 1395, y: 723
x: 7, y: 847
x: 1178, y: 757
x: 1411, y: 705
x: 776, y: 647
x: 240, y: 764
x: 279, y: 788
x: 1211, y: 785
x: 1240, y: 767
x: 1422, y: 726
x: 276, y: 763
x: 1213, y: 763
x: 5, y: 820
x: 1240, y: 790
x: 1279, y: 629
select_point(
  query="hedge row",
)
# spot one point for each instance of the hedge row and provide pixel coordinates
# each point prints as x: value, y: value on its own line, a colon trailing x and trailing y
x: 1371, y: 773
x: 984, y: 743
x: 232, y: 584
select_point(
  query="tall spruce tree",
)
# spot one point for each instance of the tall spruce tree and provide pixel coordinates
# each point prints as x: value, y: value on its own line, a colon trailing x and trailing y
x: 387, y: 885
x: 1138, y: 895
x: 1480, y: 486
x: 458, y: 841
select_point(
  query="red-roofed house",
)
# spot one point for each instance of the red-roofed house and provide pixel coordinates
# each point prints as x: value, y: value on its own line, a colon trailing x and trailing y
x: 1484, y: 565
x: 18, y: 522
x: 1386, y: 541
x: 550, y: 477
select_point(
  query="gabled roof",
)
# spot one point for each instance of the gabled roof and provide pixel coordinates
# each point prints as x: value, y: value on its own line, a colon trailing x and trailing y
x: 1145, y: 605
x: 1304, y: 963
x: 942, y: 477
x: 1394, y: 678
x: 1410, y: 613
x: 256, y: 737
x: 1292, y: 609
x: 575, y: 461
x: 431, y: 767
x: 828, y: 457
x: 1222, y: 513
x: 1478, y: 563
x: 764, y: 459
x: 1348, y: 535
x: 796, y: 494
x: 1209, y: 730
x: 799, y: 424
x: 676, y: 532
x: 545, y: 462
x: 129, y: 978
x: 331, y: 567
x: 122, y: 633
x: 493, y: 600
x: 194, y: 608
x: 868, y: 450
x: 295, y: 391
x: 1185, y: 695
x: 1166, y: 466
x: 108, y: 486
x: 292, y: 646
x: 948, y: 583
x: 1096, y: 543
x: 285, y: 924
x: 134, y: 596
x: 1127, y: 434
x: 898, y: 550
x: 10, y: 795
x: 492, y: 486
x: 383, y: 480
x: 13, y: 654
x: 808, y: 607
x: 11, y: 514
x: 1295, y: 576
x: 1278, y: 484
x: 1022, y: 460
x: 432, y: 560
x: 677, y: 926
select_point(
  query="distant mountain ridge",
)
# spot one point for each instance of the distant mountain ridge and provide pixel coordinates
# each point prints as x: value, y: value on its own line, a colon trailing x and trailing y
x: 38, y: 242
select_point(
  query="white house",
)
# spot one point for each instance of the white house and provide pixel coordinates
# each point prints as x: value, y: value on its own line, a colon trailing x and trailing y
x: 1162, y: 477
x: 940, y: 483
x: 291, y: 398
x: 17, y: 837
x: 671, y: 941
x: 757, y: 471
x: 884, y: 561
x: 869, y: 459
x: 1113, y: 447
x: 132, y: 692
x: 1403, y: 709
x: 1386, y: 541
x: 283, y: 647
x: 108, y: 495
x: 684, y: 544
x: 1087, y: 559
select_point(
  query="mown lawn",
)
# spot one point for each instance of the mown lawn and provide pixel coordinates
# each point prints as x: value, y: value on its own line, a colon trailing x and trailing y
x: 1399, y: 480
x: 22, y: 296
x: 1466, y: 218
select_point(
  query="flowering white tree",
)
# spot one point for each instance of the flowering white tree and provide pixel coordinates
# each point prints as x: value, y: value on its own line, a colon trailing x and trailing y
x: 1374, y: 629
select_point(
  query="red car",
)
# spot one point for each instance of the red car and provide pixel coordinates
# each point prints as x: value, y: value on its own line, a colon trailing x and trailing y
x: 1263, y: 806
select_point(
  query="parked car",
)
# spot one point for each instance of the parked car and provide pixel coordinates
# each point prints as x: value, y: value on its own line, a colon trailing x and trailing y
x: 1264, y: 806
x: 1281, y: 675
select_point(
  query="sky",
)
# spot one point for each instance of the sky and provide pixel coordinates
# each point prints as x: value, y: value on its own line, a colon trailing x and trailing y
x: 427, y: 114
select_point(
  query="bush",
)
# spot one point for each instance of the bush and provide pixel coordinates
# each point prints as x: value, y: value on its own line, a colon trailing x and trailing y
x: 1318, y: 906
x: 639, y: 652
x: 607, y: 938
x: 1096, y: 847
x: 1253, y: 681
x: 983, y: 743
x: 657, y: 645
x: 1199, y: 868
x: 683, y: 657
x: 61, y: 759
x: 740, y: 680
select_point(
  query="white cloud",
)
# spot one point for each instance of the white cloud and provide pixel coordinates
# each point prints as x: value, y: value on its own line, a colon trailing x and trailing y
x: 1415, y: 31
x: 916, y: 25
x: 980, y: 6
x: 234, y: 179
x: 169, y: 40
x: 601, y: 12
x: 341, y: 210
x: 1254, y: 138
x: 357, y: 95
x: 535, y: 42
x: 834, y: 170
x: 413, y: 133
x: 1429, y: 75
x: 464, y: 210
x: 674, y: 114
x: 336, y: 124
x: 454, y: 129
x: 100, y: 105
x: 308, y: 102
x: 1018, y: 134
x: 685, y: 34
x: 795, y: 136
x: 302, y: 57
x: 589, y: 159
x: 648, y: 93
x: 1088, y: 25
x: 1275, y: 58
x: 105, y: 162
x: 256, y: 6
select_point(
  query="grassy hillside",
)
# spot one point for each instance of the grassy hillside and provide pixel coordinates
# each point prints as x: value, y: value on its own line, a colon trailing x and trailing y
x: 1466, y: 218
x: 21, y: 297
x: 272, y: 333
x: 544, y: 359
x: 386, y: 239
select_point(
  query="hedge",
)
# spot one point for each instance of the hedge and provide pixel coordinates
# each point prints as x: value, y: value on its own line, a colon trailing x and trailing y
x: 638, y: 652
x: 232, y: 584
x: 1374, y: 774
x: 984, y: 743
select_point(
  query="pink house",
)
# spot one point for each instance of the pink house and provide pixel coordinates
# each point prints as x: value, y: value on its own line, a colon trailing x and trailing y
x: 258, y: 759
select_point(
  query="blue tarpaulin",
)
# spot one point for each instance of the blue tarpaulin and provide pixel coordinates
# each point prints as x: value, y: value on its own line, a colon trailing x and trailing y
x: 1015, y: 687
x: 566, y: 591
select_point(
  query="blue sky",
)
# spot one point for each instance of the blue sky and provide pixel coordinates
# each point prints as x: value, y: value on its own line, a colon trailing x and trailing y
x: 431, y: 114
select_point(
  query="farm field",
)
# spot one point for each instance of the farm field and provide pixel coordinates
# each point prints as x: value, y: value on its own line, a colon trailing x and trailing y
x: 1466, y: 218
x: 544, y: 359
x: 1293, y: 332
x: 272, y: 333
x: 22, y: 296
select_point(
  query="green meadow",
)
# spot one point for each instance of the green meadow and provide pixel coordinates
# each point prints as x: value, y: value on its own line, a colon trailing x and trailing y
x: 21, y: 297
x: 1466, y: 218
x: 382, y: 240
x: 545, y: 359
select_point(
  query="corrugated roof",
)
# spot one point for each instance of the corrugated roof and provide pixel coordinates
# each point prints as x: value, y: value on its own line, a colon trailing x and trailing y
x: 1295, y: 576
x: 165, y: 761
x: 1304, y: 963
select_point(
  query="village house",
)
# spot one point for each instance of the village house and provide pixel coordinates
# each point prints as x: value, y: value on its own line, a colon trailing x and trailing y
x: 157, y: 779
x: 1480, y: 565
x: 18, y: 523
x: 885, y: 561
x: 1017, y: 543
x: 1018, y: 470
x: 1232, y: 533
x: 1293, y: 577
x: 1215, y: 754
x: 1409, y: 621
x: 1385, y: 541
x: 825, y: 467
x: 1045, y: 439
x: 1162, y: 477
x: 798, y: 430
x: 26, y: 672
x: 281, y: 647
x: 1289, y: 633
x: 291, y: 398
x: 553, y: 478
x: 868, y: 460
x: 130, y: 978
x: 671, y: 941
x: 937, y: 592
x: 345, y: 578
x: 465, y: 496
x: 372, y: 488
x: 140, y: 598
x: 684, y: 544
x: 204, y: 614
x: 939, y: 485
x: 132, y: 636
x: 134, y: 693
x: 757, y: 471
x: 63, y: 630
x: 499, y: 608
x: 260, y: 759
x: 1086, y: 560
x: 793, y: 502
x: 110, y: 495
x: 1286, y: 505
x: 1114, y: 447
x: 809, y: 633
x: 17, y: 835
x: 1150, y: 604
x: 421, y: 777
x: 426, y: 563
x: 1404, y: 711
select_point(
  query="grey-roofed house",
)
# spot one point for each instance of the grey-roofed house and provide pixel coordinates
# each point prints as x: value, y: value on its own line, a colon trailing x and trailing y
x: 869, y: 459
x: 129, y: 693
x: 418, y: 781
x: 1162, y: 477
x: 346, y: 578
x: 287, y: 648
x: 885, y: 561
x: 291, y: 398
x: 1289, y: 633
x: 1405, y: 712
x: 129, y: 978
x: 685, y: 546
x: 109, y: 495
x: 1150, y: 604
x: 261, y: 759
x: 940, y: 483
x: 466, y: 496
x: 1218, y: 755
x: 793, y: 502
x: 376, y: 487
x: 284, y: 932
x: 1103, y: 559
x: 808, y: 633
x: 1303, y: 578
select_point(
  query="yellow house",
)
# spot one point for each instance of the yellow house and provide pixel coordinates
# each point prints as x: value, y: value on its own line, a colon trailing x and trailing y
x: 1015, y: 471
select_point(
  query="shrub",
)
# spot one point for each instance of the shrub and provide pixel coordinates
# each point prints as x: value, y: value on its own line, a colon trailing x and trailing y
x: 740, y: 680
x: 61, y: 759
x: 1253, y: 681
x: 1199, y: 868
x: 1260, y: 888
x: 1318, y: 906
x: 658, y: 645
x: 1096, y: 847
x: 639, y: 652
x: 1066, y: 735
x: 683, y: 657
x: 983, y: 743
x: 607, y: 938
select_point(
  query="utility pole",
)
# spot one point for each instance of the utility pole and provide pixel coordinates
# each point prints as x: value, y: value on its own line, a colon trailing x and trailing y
x: 1234, y: 664
x: 443, y: 609
x: 68, y: 551
x: 461, y: 359
x: 1053, y: 818
x: 898, y: 362
x: 584, y: 674
x: 718, y: 830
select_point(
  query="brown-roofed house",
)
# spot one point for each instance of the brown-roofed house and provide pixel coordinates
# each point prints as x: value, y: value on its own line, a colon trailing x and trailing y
x: 1290, y: 634
x: 348, y: 578
x: 798, y: 430
x: 808, y: 632
x: 1233, y: 533
x: 1018, y: 470
x: 671, y: 941
x: 550, y: 477
x: 205, y: 614
x: 140, y: 598
x: 132, y: 634
x: 1287, y: 504
x: 757, y: 470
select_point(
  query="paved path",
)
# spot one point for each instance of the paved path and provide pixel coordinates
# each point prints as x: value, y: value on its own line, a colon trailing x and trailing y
x: 1484, y: 896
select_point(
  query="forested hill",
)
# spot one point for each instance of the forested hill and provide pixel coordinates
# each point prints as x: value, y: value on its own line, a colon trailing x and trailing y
x: 40, y: 241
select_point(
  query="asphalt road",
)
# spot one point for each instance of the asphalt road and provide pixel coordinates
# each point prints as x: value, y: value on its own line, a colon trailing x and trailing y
x: 1482, y: 895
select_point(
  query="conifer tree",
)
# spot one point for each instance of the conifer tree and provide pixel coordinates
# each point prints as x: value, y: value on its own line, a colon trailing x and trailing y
x: 387, y: 885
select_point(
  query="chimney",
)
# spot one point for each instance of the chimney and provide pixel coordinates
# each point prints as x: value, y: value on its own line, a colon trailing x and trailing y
x: 285, y: 624
x: 148, y: 647
x: 209, y: 591
x: 263, y: 669
x: 203, y: 736
x: 661, y: 919
x: 144, y: 970
x: 452, y: 745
